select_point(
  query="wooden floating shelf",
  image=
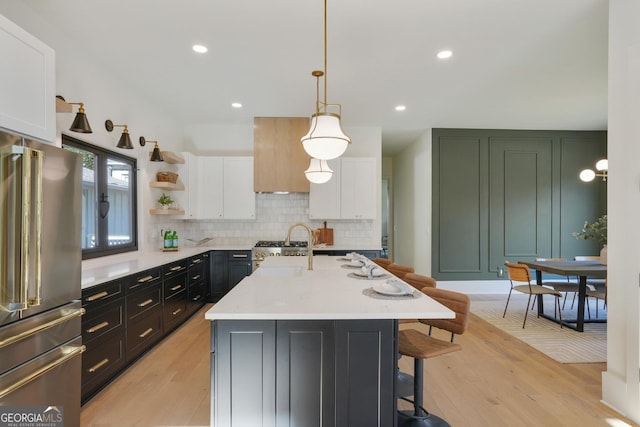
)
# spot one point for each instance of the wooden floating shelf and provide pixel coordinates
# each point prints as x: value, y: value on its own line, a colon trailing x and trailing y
x: 170, y: 186
x: 170, y: 157
x: 166, y: 211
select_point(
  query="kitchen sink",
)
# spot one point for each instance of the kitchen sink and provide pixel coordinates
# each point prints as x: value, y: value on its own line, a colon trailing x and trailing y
x: 278, y: 271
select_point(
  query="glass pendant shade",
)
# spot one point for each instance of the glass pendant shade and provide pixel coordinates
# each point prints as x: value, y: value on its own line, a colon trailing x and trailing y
x: 318, y: 172
x: 602, y: 165
x: 587, y: 175
x: 325, y: 140
x: 125, y: 141
x: 156, y: 156
x: 81, y: 124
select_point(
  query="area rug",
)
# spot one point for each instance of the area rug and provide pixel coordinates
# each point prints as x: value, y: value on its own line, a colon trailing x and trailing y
x: 561, y: 344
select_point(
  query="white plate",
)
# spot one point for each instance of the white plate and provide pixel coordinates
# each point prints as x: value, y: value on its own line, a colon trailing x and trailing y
x: 393, y: 289
x: 377, y: 273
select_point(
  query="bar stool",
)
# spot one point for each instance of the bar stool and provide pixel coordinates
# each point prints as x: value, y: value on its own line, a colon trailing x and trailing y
x: 399, y: 270
x: 420, y: 346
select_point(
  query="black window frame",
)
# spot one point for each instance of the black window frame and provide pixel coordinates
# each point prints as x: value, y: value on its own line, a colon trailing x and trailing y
x: 101, y: 174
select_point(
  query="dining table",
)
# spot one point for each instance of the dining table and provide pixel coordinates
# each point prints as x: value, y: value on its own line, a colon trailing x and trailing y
x: 583, y: 270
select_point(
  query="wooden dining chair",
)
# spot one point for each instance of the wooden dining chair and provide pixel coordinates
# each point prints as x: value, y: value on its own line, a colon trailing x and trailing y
x: 520, y: 273
x: 564, y: 285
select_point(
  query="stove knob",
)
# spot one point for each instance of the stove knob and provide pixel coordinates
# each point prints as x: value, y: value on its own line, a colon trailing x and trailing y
x: 278, y: 254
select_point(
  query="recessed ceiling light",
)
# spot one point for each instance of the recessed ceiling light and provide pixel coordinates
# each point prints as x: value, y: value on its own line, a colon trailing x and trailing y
x: 444, y: 54
x: 199, y: 48
x: 400, y: 107
x: 236, y: 105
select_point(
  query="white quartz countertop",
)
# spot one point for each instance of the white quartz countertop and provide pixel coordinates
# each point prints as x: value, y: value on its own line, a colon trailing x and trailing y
x: 326, y: 292
x: 100, y: 270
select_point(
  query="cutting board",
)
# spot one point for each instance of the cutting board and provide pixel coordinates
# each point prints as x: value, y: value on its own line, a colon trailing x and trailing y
x: 326, y: 235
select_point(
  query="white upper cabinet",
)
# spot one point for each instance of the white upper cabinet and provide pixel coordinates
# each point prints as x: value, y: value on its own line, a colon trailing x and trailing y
x: 220, y: 188
x: 27, y: 84
x: 239, y: 197
x: 324, y: 199
x: 351, y: 192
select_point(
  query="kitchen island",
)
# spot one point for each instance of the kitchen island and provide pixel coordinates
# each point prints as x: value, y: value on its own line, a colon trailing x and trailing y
x: 296, y: 347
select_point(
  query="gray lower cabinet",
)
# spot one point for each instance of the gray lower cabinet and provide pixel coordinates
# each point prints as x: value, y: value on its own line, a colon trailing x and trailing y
x: 302, y: 373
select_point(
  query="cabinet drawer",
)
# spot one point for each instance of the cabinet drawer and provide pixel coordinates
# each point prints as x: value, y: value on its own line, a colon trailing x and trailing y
x: 175, y: 309
x: 239, y: 255
x: 101, y: 294
x: 175, y: 285
x: 174, y: 268
x: 143, y: 333
x: 99, y: 322
x: 101, y: 362
x: 196, y: 293
x: 143, y: 301
x: 197, y: 260
x: 196, y: 274
x: 144, y: 279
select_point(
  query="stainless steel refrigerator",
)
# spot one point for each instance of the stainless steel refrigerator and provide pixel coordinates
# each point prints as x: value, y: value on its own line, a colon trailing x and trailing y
x: 40, y: 273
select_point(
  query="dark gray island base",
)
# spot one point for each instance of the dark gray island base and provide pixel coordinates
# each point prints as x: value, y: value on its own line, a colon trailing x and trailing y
x: 300, y: 373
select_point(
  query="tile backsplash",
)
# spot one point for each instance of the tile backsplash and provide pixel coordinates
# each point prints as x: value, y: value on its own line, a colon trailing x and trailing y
x: 274, y: 214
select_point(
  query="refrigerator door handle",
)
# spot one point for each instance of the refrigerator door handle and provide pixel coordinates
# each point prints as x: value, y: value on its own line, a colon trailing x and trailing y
x: 42, y: 327
x: 37, y: 158
x: 68, y: 353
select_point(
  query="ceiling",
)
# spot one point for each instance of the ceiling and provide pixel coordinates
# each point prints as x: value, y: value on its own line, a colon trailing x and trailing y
x: 516, y: 64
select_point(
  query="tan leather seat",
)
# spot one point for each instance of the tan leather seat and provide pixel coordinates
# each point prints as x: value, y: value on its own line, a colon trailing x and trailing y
x: 382, y: 262
x: 399, y: 270
x: 419, y: 281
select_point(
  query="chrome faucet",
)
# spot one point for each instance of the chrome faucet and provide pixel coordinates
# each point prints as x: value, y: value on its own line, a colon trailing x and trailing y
x: 287, y: 241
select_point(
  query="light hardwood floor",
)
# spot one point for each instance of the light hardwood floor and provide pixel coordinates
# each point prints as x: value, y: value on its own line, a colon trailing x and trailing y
x: 496, y: 380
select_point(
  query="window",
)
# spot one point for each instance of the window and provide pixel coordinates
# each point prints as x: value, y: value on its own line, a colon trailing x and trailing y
x: 108, y: 200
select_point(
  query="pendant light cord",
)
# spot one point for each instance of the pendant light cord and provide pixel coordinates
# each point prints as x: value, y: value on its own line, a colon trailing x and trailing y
x: 325, y: 53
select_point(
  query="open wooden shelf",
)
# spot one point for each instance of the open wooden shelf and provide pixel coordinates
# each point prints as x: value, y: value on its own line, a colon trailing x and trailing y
x: 170, y: 157
x: 166, y: 211
x: 170, y: 186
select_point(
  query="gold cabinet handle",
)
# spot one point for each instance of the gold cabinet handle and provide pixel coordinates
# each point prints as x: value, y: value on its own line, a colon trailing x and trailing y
x: 145, y: 279
x: 239, y: 255
x: 145, y: 303
x: 176, y: 268
x: 176, y: 312
x: 98, y: 327
x: 196, y: 277
x: 97, y: 296
x: 145, y: 333
x: 196, y: 261
x: 175, y: 288
x: 196, y: 298
x: 98, y: 365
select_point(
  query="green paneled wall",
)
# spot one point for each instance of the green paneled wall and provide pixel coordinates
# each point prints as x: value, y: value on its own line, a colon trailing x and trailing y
x: 510, y: 195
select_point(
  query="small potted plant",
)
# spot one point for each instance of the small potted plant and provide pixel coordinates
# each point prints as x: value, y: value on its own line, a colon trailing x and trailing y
x: 597, y: 231
x: 165, y: 201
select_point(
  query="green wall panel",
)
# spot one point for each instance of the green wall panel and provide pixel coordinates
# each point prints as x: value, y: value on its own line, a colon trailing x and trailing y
x: 510, y: 195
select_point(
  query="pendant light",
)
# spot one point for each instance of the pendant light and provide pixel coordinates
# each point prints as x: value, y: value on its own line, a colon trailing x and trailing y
x: 125, y: 139
x: 318, y: 172
x: 326, y: 139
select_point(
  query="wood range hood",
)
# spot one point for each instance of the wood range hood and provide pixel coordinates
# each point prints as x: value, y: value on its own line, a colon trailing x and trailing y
x: 279, y: 160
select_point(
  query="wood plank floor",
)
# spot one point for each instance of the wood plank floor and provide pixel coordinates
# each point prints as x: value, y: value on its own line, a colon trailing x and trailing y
x: 496, y: 380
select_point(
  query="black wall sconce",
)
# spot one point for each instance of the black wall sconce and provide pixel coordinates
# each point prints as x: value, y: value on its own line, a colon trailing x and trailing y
x: 156, y: 156
x: 125, y: 139
x: 80, y: 123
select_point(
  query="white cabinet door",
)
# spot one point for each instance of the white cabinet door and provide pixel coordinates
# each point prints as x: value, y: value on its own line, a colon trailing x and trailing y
x: 324, y: 199
x: 239, y: 198
x: 210, y: 183
x: 358, y: 188
x: 27, y: 84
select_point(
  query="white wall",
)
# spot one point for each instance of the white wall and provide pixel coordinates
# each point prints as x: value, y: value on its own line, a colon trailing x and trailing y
x: 621, y: 382
x: 412, y: 205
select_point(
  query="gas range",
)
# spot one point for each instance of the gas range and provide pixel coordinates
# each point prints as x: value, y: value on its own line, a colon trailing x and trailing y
x: 267, y: 248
